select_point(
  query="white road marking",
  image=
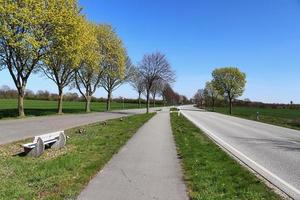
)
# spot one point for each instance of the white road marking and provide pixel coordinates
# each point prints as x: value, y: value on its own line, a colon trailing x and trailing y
x: 231, y: 148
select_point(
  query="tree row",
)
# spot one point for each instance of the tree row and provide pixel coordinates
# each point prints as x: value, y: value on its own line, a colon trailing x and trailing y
x: 53, y: 37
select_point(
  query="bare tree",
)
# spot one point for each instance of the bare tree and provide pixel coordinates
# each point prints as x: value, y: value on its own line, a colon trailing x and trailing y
x: 211, y: 93
x: 199, y: 98
x: 137, y: 83
x: 157, y: 89
x: 155, y: 67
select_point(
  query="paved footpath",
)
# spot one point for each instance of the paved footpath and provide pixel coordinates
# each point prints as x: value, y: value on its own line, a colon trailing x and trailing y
x: 146, y: 168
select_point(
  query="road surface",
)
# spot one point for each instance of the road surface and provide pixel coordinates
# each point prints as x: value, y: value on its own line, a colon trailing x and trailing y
x: 17, y: 129
x: 146, y: 168
x: 272, y: 151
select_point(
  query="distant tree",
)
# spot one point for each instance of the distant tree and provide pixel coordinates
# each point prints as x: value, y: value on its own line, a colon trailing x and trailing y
x: 230, y: 82
x: 43, y: 95
x: 199, y: 98
x: 157, y: 88
x: 170, y: 96
x: 29, y: 94
x: 211, y: 93
x: 155, y: 67
x: 183, y: 99
x: 137, y: 83
x: 247, y: 100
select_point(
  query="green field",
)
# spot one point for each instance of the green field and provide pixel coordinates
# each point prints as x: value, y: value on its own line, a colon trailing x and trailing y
x: 62, y: 174
x: 289, y: 118
x: 8, y: 107
x: 210, y: 173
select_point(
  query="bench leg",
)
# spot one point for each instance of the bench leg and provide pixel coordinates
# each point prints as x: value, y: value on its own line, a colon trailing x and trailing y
x: 37, y: 150
x: 61, y: 142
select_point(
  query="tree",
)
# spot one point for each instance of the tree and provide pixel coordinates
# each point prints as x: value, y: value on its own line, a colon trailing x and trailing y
x: 89, y: 72
x: 230, y: 82
x: 137, y: 83
x: 65, y: 53
x: 155, y: 67
x: 199, y: 98
x: 24, y: 39
x: 211, y: 93
x: 114, y: 61
x: 111, y: 79
x: 157, y: 88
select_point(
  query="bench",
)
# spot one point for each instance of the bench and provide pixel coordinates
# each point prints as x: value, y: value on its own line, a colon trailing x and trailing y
x: 55, y: 140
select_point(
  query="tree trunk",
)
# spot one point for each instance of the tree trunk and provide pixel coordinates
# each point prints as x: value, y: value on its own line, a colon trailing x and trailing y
x: 148, y: 100
x: 213, y: 104
x: 21, y: 92
x: 164, y: 100
x: 88, y: 104
x: 230, y: 106
x: 108, y: 101
x: 60, y: 101
x: 139, y: 100
x: 153, y: 100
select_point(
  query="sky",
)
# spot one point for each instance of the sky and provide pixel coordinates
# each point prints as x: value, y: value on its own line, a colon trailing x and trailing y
x: 261, y: 37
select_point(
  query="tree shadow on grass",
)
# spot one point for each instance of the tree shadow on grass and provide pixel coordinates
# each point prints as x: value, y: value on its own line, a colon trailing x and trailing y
x: 13, y: 113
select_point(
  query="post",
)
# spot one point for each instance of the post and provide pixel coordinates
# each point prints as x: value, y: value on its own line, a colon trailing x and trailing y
x: 257, y: 116
x: 123, y: 102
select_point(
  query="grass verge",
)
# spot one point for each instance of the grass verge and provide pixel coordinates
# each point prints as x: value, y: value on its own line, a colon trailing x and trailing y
x: 62, y: 174
x: 289, y: 118
x: 173, y: 109
x: 210, y: 173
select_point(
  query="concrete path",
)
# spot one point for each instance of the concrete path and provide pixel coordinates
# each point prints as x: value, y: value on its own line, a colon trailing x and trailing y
x: 17, y: 129
x: 146, y: 168
x: 272, y: 151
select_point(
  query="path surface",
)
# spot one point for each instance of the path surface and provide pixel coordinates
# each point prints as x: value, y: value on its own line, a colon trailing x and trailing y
x: 16, y: 129
x: 272, y: 151
x: 146, y: 168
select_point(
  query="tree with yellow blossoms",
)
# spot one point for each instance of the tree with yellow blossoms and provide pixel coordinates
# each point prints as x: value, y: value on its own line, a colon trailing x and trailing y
x: 67, y: 39
x: 113, y: 62
x: 24, y: 40
x: 89, y: 72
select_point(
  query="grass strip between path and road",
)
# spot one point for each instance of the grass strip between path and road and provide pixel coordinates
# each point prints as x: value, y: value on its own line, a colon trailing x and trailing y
x: 210, y: 173
x: 62, y: 174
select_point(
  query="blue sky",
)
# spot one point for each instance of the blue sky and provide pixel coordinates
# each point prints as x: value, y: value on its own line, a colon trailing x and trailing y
x: 261, y: 37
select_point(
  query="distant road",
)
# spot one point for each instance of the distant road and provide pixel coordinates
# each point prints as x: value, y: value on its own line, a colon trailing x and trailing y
x: 272, y: 151
x: 17, y: 129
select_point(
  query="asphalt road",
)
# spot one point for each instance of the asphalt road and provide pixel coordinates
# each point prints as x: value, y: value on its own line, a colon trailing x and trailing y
x: 17, y: 129
x: 146, y: 168
x: 272, y: 151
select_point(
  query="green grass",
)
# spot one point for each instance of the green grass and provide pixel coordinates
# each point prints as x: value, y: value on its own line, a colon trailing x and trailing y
x: 174, y: 109
x: 62, y: 174
x: 210, y: 173
x: 289, y: 118
x: 8, y: 107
